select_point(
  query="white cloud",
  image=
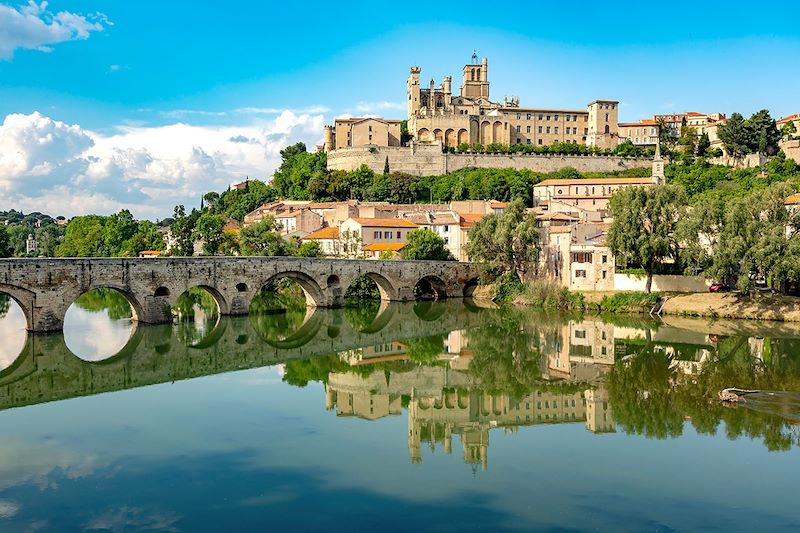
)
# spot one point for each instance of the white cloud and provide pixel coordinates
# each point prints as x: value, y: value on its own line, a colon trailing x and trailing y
x: 312, y: 110
x: 33, y: 27
x: 53, y: 167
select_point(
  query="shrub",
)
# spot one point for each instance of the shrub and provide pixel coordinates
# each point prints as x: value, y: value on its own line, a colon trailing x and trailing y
x: 629, y: 302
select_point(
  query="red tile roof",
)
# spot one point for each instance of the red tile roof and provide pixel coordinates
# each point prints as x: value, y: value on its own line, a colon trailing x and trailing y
x: 330, y: 232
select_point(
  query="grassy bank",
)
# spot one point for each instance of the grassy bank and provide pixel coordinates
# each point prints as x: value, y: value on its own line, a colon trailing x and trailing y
x: 734, y: 305
x: 546, y: 294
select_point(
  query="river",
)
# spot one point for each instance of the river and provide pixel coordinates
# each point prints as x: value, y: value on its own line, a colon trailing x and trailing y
x: 430, y: 416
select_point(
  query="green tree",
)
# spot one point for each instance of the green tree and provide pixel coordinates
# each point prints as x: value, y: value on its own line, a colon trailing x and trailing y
x: 703, y: 144
x: 182, y: 230
x: 147, y: 237
x: 262, y: 238
x: 298, y: 168
x: 85, y: 237
x: 763, y: 133
x: 209, y: 229
x: 788, y: 130
x: 735, y: 136
x: 5, y: 247
x: 508, y: 242
x: 424, y: 244
x: 310, y: 249
x: 643, y: 231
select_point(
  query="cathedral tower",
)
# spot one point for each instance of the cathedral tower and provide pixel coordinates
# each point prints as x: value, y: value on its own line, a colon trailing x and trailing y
x: 476, y: 79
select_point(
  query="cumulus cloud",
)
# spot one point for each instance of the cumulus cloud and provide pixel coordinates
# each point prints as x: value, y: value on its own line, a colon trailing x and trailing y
x: 32, y: 26
x: 49, y: 166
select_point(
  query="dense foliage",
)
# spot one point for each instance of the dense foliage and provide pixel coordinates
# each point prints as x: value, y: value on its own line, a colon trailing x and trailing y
x: 424, y: 244
x: 118, y: 235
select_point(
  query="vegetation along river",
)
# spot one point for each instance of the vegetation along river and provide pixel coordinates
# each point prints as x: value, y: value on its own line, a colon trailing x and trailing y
x: 434, y: 415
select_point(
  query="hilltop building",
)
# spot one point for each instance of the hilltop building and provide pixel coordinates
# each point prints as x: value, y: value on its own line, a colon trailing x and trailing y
x: 471, y: 117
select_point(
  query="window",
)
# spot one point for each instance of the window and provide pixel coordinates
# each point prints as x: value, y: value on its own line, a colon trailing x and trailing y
x: 387, y: 234
x: 575, y: 118
x: 540, y: 141
x: 566, y: 117
x: 548, y: 117
x: 519, y: 141
x: 604, y: 274
x: 519, y: 128
x: 606, y: 117
x: 555, y: 117
x: 445, y: 229
x: 580, y: 334
x: 556, y: 130
x: 527, y: 129
x: 370, y: 128
x: 529, y: 116
x: 540, y: 116
x: 586, y: 131
x: 376, y: 235
x: 398, y: 235
x: 527, y: 141
x: 519, y: 116
x: 605, y: 259
x: 574, y: 131
x: 581, y: 257
x: 548, y: 129
x: 580, y: 274
x: 540, y: 129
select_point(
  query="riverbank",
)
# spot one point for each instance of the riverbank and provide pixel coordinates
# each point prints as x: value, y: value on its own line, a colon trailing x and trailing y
x: 548, y: 295
x: 735, y: 306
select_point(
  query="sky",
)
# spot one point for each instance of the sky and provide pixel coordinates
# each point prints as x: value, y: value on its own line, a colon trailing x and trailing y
x: 143, y: 105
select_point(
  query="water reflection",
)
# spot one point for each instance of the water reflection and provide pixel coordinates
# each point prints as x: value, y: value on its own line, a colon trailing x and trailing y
x: 561, y: 410
x: 12, y: 330
x: 196, y: 314
x: 98, y: 324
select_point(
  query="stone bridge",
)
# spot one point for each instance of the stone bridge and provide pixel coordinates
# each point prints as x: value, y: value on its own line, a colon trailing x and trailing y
x: 45, y: 288
x: 46, y: 370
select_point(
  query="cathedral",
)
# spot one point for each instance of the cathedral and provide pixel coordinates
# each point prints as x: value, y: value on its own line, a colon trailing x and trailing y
x: 471, y: 117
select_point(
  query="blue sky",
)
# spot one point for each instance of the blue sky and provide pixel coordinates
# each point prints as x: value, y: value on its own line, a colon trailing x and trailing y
x: 149, y: 91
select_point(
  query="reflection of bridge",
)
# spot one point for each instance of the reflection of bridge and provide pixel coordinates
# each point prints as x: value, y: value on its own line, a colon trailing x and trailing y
x: 47, y: 371
x: 45, y: 288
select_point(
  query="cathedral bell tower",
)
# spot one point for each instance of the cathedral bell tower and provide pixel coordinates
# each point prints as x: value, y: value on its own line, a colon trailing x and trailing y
x: 476, y: 79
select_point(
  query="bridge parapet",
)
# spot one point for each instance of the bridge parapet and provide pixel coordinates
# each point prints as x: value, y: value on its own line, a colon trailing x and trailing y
x: 45, y: 288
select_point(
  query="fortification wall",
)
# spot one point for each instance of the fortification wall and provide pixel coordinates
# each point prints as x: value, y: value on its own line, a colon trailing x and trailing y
x: 428, y: 160
x: 791, y: 149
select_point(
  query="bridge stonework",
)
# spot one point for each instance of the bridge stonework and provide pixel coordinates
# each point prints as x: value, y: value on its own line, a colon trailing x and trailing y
x: 45, y: 288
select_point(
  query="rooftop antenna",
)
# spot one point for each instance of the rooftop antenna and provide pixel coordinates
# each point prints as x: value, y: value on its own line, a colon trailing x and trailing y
x: 474, y: 57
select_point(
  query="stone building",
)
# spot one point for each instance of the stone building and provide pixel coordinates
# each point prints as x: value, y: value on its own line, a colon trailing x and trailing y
x: 361, y: 131
x: 471, y: 117
x: 642, y: 133
x: 590, y: 194
x: 356, y: 233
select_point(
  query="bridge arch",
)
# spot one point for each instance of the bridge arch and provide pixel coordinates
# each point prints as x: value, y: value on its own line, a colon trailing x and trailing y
x: 385, y: 287
x: 137, y: 311
x: 430, y: 287
x: 24, y: 299
x: 313, y: 293
x: 470, y: 286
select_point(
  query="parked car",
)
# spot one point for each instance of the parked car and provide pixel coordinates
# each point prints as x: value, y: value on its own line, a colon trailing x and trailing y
x: 718, y: 287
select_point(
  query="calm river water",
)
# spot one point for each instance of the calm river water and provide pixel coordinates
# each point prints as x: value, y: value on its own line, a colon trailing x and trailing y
x: 432, y: 416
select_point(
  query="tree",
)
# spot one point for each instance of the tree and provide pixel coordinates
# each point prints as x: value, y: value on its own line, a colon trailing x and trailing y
x: 5, y: 247
x: 788, y: 130
x: 688, y: 140
x: 298, y: 168
x: 703, y: 144
x: 386, y: 166
x: 309, y: 249
x: 735, y: 136
x: 209, y: 230
x: 763, y: 132
x: 84, y: 238
x: 503, y: 243
x: 181, y: 231
x: 700, y: 230
x: 643, y: 231
x: 262, y: 238
x: 424, y: 244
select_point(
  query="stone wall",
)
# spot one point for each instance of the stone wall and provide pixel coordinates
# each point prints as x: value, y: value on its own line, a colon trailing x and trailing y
x: 661, y: 283
x: 428, y: 160
x: 791, y: 149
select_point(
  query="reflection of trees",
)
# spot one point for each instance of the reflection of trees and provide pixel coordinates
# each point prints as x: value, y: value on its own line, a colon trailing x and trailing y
x: 108, y: 300
x: 361, y: 314
x: 5, y: 304
x: 507, y: 355
x: 277, y: 315
x: 651, y: 397
x: 363, y: 288
x: 195, y: 314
